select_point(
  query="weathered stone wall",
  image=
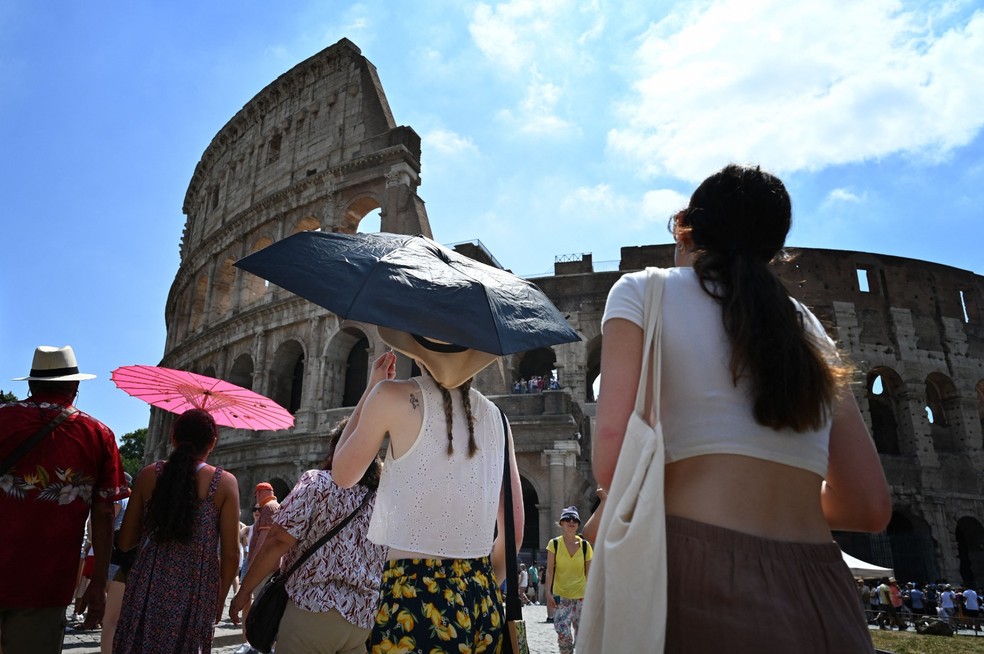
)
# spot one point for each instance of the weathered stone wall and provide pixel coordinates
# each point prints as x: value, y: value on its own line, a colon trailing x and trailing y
x: 915, y: 332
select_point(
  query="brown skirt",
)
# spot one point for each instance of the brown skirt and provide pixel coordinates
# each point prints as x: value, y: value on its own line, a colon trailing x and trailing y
x: 734, y: 592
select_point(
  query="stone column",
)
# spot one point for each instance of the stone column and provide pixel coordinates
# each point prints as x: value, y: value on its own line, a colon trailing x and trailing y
x: 562, y: 463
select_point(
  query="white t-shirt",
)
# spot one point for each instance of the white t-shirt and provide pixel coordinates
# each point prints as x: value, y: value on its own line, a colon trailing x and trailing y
x: 702, y: 410
x: 970, y: 599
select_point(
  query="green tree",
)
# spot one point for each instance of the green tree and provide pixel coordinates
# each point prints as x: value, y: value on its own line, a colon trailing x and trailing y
x: 7, y: 396
x: 132, y: 450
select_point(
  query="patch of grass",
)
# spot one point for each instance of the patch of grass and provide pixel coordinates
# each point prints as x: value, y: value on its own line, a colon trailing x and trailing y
x: 909, y: 642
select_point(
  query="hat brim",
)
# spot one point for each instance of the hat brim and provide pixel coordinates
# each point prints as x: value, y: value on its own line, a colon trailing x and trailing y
x: 449, y: 369
x: 79, y: 376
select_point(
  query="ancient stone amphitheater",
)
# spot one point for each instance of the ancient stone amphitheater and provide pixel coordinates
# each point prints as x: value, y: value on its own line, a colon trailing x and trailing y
x: 319, y: 149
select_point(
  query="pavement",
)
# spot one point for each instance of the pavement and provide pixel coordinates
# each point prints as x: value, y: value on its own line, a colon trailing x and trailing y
x: 229, y: 637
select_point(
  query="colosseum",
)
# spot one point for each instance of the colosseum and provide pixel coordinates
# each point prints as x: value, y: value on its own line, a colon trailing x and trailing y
x: 319, y: 148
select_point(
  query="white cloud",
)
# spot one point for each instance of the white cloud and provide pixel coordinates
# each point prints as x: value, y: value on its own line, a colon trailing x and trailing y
x: 843, y: 195
x: 801, y: 86
x: 602, y: 204
x: 659, y: 205
x: 536, y: 114
x: 537, y: 45
x: 448, y: 144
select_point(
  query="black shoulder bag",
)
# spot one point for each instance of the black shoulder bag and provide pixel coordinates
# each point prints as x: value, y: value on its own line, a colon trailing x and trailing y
x: 514, y: 637
x: 27, y: 445
x: 263, y: 619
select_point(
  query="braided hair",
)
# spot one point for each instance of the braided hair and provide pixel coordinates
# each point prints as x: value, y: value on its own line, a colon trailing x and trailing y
x: 465, y: 390
x: 171, y: 508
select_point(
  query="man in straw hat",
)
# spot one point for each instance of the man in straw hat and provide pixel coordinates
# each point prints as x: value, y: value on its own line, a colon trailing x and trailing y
x: 56, y: 465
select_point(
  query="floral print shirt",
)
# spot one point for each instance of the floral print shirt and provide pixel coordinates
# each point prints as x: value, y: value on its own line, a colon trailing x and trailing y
x: 45, y: 499
x: 344, y: 573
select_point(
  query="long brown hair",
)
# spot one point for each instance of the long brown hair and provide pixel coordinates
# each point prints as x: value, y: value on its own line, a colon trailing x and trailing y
x: 171, y: 507
x: 737, y: 221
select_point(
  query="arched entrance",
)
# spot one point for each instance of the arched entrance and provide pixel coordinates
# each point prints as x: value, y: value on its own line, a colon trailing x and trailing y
x: 970, y: 550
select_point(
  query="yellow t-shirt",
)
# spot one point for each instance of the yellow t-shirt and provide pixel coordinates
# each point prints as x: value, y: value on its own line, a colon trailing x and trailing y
x: 569, y: 579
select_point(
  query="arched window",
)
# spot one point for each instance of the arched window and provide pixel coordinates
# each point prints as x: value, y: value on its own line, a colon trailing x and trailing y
x: 883, y: 385
x: 970, y: 550
x: 307, y: 224
x: 198, y: 302
x: 254, y: 287
x: 222, y: 289
x: 592, y: 373
x: 241, y: 373
x: 356, y: 372
x: 287, y: 376
x: 941, y: 408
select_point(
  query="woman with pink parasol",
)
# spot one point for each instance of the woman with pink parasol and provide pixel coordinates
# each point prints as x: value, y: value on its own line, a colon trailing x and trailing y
x: 181, y: 511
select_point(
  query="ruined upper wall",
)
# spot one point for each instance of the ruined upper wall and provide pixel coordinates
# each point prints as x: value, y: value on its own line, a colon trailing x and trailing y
x: 323, y: 113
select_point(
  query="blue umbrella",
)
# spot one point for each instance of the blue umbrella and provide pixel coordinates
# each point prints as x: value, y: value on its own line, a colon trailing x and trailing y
x: 413, y: 284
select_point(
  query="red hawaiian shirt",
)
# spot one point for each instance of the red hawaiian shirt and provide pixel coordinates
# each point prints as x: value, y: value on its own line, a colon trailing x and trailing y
x: 45, y: 499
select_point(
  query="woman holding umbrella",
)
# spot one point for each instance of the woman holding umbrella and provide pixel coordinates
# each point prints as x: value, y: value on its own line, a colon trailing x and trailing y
x: 180, y: 512
x: 439, y: 498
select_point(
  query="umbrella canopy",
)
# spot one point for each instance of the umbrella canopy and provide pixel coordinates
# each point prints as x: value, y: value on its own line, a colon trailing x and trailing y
x: 412, y: 284
x: 178, y: 391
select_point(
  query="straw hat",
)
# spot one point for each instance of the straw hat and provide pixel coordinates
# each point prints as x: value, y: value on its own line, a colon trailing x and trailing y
x: 54, y: 364
x: 450, y: 365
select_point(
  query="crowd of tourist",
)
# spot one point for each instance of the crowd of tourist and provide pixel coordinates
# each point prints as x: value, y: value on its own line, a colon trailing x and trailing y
x: 535, y: 384
x: 890, y: 604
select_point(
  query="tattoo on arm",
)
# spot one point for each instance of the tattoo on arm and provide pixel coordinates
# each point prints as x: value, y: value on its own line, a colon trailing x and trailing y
x: 414, y: 402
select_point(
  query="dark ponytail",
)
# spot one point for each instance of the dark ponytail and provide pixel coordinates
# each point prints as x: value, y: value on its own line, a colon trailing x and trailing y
x: 737, y: 223
x: 171, y: 508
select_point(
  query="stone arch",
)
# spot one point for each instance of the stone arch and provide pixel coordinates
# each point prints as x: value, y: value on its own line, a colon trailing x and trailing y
x: 255, y: 287
x: 540, y: 362
x: 913, y: 555
x: 287, y: 375
x: 884, y: 390
x: 942, y: 405
x: 280, y: 488
x: 306, y: 224
x: 592, y: 368
x: 197, y: 309
x: 980, y: 406
x: 531, y: 532
x: 241, y: 373
x: 358, y: 208
x: 970, y: 550
x: 222, y: 285
x: 209, y: 371
x: 347, y: 354
x: 183, y: 317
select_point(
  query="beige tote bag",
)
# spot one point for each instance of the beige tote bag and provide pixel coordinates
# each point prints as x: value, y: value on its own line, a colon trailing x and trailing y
x: 625, y: 602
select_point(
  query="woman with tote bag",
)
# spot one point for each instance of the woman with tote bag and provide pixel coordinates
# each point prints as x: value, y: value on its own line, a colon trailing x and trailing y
x: 714, y: 368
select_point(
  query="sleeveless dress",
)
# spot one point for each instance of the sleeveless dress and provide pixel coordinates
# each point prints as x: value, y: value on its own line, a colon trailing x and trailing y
x: 169, y: 605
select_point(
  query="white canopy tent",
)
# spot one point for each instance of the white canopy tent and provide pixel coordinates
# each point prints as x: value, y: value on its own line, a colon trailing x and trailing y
x: 865, y: 570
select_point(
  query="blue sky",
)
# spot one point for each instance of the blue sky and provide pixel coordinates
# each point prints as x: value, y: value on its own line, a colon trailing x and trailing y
x: 549, y: 128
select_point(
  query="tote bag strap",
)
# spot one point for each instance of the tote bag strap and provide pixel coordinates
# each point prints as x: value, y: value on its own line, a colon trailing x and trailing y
x: 650, y: 374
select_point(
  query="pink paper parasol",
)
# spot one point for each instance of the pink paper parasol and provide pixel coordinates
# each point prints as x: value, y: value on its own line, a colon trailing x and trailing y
x: 178, y: 391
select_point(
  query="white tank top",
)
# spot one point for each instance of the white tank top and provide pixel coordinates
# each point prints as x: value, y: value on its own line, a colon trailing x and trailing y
x: 441, y: 506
